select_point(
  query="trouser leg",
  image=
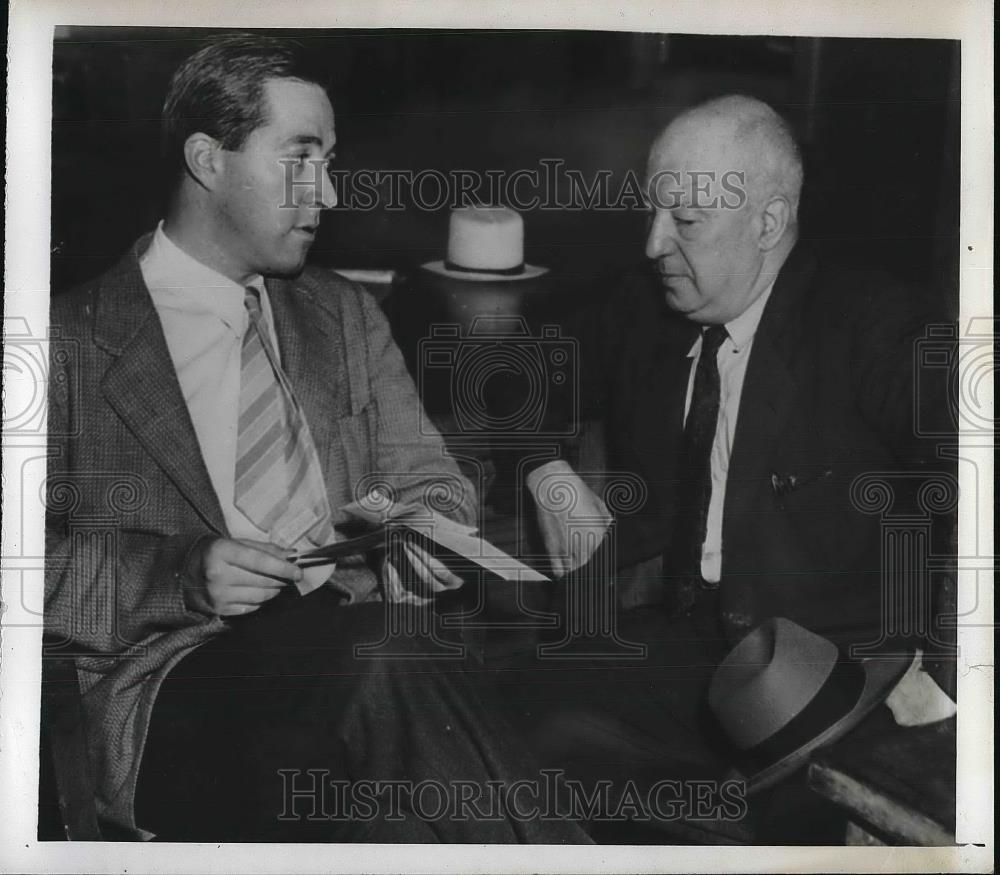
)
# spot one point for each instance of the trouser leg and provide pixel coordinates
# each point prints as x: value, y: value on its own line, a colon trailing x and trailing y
x: 264, y: 734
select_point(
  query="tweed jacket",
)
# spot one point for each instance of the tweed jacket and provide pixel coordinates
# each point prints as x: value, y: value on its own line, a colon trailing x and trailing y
x: 831, y: 395
x: 129, y: 496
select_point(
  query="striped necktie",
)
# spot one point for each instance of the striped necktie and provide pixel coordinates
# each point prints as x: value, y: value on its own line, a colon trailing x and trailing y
x: 279, y: 481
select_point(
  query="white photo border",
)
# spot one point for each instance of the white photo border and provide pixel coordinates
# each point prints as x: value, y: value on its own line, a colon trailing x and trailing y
x: 26, y: 285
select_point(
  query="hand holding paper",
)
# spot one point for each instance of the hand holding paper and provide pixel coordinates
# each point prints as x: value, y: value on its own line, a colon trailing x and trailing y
x: 571, y: 530
x: 459, y: 539
x: 234, y: 577
x: 430, y: 570
x: 384, y: 515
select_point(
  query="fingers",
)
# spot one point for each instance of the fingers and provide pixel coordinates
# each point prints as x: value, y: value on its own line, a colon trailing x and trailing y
x: 553, y: 531
x: 266, y: 560
x: 420, y: 567
x: 252, y: 594
x: 430, y: 569
x: 393, y: 584
x: 237, y: 610
x: 572, y: 535
x: 570, y: 547
x: 590, y: 508
x: 227, y: 594
x: 584, y: 542
x: 273, y: 549
x: 443, y: 574
x: 245, y: 599
x: 601, y: 510
x: 557, y: 554
x: 239, y: 576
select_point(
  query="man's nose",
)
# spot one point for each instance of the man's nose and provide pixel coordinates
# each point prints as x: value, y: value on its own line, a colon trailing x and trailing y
x: 326, y: 192
x: 660, y: 240
x: 316, y: 190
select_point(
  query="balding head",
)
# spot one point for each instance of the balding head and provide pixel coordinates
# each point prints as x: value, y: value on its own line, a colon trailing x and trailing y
x: 724, y: 183
x: 748, y: 135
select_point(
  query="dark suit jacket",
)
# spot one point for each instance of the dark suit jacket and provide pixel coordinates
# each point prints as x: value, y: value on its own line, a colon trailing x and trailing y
x: 829, y: 395
x: 129, y: 494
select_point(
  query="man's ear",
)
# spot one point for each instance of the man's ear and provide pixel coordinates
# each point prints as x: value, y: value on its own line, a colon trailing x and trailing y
x: 775, y: 219
x: 203, y: 158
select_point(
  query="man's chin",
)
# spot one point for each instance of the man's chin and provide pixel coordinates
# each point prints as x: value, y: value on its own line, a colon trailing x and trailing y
x: 288, y: 267
x: 679, y: 296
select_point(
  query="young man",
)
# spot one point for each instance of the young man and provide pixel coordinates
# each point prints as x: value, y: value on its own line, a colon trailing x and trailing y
x: 243, y: 399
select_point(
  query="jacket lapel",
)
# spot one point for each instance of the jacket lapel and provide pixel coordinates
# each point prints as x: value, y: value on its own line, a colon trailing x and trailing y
x: 661, y: 388
x: 313, y: 361
x: 141, y: 384
x: 770, y: 386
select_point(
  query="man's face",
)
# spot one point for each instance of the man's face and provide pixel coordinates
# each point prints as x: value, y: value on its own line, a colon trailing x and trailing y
x: 703, y: 235
x: 270, y: 192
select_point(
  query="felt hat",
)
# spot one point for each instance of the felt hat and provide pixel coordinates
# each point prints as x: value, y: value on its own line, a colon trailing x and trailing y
x: 485, y: 244
x: 783, y: 692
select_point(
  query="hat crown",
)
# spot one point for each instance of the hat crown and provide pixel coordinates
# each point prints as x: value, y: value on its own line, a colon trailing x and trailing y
x: 780, y: 665
x: 784, y: 692
x: 487, y: 238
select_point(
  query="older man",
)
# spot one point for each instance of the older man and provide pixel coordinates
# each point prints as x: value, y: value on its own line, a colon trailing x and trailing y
x: 748, y: 386
x: 224, y: 404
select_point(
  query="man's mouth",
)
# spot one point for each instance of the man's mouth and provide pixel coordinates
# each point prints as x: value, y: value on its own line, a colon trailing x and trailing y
x: 666, y: 276
x: 664, y: 271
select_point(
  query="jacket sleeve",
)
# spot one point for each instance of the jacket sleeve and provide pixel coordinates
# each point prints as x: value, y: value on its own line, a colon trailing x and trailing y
x: 909, y: 404
x: 107, y: 588
x: 410, y: 454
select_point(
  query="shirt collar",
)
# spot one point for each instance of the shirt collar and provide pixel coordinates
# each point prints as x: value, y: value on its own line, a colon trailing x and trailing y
x: 180, y: 282
x: 741, y: 329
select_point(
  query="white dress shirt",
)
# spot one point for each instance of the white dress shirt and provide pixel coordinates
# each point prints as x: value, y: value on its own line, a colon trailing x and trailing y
x: 733, y: 356
x: 204, y: 318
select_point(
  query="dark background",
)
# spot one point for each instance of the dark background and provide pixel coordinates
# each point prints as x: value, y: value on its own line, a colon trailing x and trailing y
x: 878, y: 121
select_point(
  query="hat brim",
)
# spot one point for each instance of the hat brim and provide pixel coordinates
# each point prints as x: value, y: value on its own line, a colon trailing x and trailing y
x: 881, y: 676
x: 531, y: 271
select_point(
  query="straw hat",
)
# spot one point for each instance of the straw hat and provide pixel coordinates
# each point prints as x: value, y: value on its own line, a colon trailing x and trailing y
x: 485, y: 244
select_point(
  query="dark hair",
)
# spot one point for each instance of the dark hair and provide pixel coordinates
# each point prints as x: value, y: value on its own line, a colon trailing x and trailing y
x: 219, y: 91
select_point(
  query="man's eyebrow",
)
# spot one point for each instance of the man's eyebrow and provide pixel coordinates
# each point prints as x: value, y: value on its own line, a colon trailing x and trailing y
x: 308, y: 140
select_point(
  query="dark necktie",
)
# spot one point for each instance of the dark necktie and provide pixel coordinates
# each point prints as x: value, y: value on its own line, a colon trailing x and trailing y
x: 699, y: 436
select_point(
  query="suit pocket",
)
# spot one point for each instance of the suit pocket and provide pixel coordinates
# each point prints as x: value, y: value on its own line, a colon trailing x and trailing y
x: 801, y: 487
